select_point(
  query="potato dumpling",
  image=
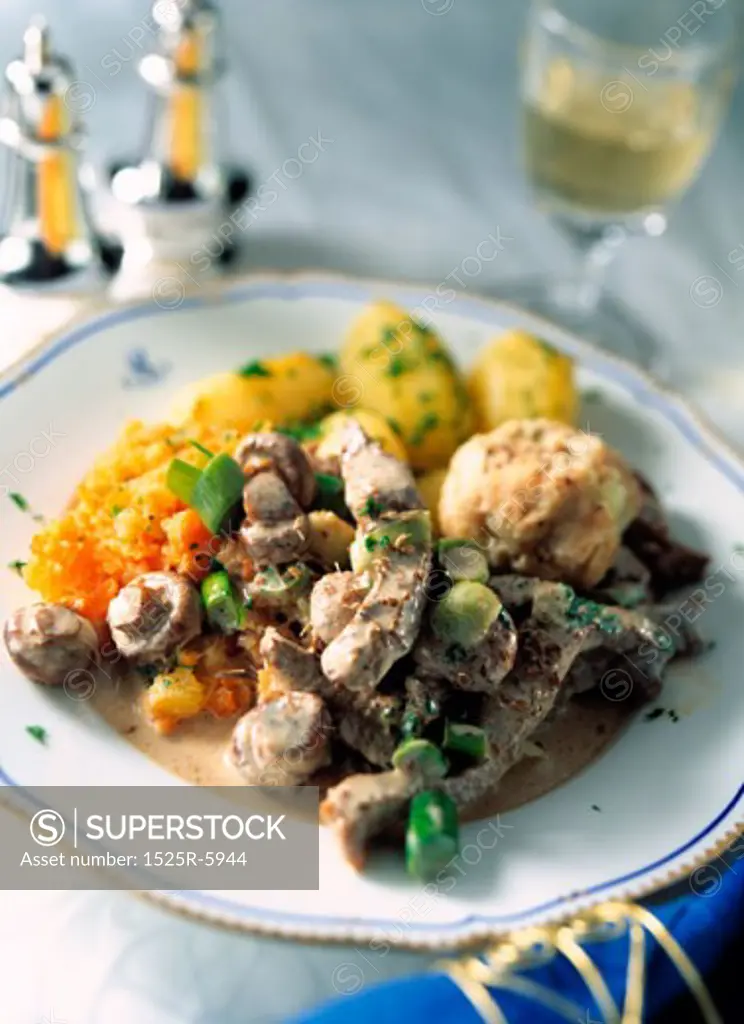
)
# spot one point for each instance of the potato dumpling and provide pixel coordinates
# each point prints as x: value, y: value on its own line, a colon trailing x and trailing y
x: 373, y: 425
x: 541, y: 498
x: 402, y: 370
x: 280, y: 391
x: 518, y: 376
x: 430, y: 488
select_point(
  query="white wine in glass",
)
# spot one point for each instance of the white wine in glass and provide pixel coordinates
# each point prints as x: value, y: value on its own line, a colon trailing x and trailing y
x: 622, y: 101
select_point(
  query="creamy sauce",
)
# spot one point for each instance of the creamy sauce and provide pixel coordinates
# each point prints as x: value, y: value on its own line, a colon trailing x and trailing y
x: 196, y: 750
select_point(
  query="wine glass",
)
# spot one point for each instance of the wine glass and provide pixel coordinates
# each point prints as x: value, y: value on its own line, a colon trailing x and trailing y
x: 622, y: 101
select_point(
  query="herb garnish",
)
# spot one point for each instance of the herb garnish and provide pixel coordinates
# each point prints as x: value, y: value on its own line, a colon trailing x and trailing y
x: 301, y: 431
x: 17, y: 566
x: 38, y: 732
x: 425, y: 425
x: 396, y: 367
x: 19, y: 501
x: 116, y: 510
x: 328, y: 360
x: 201, y: 448
x: 254, y: 369
x: 371, y: 507
x: 329, y: 484
x: 655, y: 713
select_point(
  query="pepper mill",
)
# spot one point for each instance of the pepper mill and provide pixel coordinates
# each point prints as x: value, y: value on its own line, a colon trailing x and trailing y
x: 174, y: 200
x: 49, y: 234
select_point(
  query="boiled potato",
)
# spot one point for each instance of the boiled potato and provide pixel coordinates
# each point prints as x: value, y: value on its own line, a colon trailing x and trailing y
x: 402, y: 370
x: 280, y: 391
x: 374, y: 426
x: 518, y: 376
x: 173, y: 696
x: 329, y: 538
x: 430, y: 488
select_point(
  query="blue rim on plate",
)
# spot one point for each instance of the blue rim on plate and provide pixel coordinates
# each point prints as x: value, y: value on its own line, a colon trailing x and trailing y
x: 472, y: 928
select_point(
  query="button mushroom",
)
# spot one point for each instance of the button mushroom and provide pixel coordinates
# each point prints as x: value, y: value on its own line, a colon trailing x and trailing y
x: 279, y: 454
x: 153, y: 616
x: 282, y: 742
x: 47, y: 642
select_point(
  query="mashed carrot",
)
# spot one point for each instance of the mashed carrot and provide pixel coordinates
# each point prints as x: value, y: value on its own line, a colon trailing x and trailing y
x: 123, y: 520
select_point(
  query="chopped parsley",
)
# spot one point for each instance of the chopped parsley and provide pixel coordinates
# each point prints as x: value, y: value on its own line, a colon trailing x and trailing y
x: 301, y: 431
x: 116, y: 510
x: 426, y: 396
x: 397, y: 367
x: 329, y: 484
x: 254, y: 369
x: 427, y: 423
x: 328, y: 360
x: 248, y: 602
x: 395, y: 426
x: 371, y: 507
x: 19, y: 501
x: 596, y: 807
x: 37, y: 732
x: 592, y: 395
x: 673, y: 715
x: 371, y: 543
x: 650, y: 716
x: 201, y: 448
x: 17, y: 566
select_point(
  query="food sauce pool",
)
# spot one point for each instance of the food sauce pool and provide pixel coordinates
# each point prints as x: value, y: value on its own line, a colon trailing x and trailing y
x: 196, y: 750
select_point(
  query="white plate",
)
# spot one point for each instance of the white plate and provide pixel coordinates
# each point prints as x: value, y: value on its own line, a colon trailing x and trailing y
x: 670, y: 792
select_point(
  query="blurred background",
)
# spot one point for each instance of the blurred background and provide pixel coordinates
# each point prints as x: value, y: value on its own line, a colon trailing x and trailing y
x: 417, y: 105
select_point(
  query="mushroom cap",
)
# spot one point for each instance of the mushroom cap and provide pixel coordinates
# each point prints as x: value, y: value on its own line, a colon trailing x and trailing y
x: 154, y: 615
x: 282, y: 742
x: 48, y: 642
x: 280, y: 454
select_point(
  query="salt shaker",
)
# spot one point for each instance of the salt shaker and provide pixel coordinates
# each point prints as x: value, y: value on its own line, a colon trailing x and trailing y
x: 169, y: 204
x: 49, y: 238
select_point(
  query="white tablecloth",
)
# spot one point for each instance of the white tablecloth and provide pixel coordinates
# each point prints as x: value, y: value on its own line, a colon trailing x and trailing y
x: 421, y: 164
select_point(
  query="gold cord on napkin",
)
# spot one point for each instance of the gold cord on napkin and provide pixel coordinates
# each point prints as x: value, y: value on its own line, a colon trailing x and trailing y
x: 499, y: 965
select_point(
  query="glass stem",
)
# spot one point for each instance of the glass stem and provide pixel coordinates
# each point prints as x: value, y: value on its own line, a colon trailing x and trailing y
x: 597, y: 248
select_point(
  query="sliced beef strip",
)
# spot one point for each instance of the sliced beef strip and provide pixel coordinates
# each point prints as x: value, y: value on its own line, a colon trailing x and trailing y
x: 481, y: 669
x: 628, y: 583
x: 425, y: 697
x: 368, y: 724
x: 275, y: 529
x: 632, y: 634
x: 371, y: 727
x: 517, y: 709
x: 385, y: 625
x: 371, y: 473
x: 362, y: 806
x: 334, y: 602
x: 672, y: 565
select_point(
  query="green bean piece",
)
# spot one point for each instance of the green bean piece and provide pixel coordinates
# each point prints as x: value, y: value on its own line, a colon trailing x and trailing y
x: 432, y: 836
x: 422, y: 757
x: 463, y: 560
x: 465, y: 614
x: 223, y: 608
x: 465, y: 739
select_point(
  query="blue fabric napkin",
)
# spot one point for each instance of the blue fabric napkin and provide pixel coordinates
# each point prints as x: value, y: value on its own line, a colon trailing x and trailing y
x: 703, y: 922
